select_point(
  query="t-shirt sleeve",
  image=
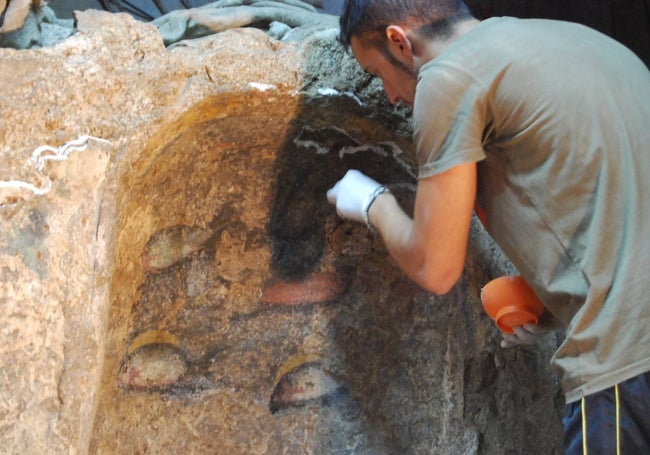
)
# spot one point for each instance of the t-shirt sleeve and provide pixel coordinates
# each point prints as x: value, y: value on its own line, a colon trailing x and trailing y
x: 450, y: 119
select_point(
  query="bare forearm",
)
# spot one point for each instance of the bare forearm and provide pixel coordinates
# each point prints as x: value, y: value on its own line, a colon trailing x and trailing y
x: 431, y: 247
x: 405, y: 246
x: 396, y: 230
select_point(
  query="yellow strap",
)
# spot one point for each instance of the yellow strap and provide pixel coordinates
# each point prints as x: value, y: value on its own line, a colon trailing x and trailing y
x: 618, y: 423
x: 584, y: 428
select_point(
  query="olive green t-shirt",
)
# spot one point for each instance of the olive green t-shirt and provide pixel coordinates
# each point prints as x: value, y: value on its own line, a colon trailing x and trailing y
x: 557, y: 116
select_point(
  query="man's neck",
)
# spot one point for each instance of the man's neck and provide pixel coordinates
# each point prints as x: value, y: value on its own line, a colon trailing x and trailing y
x: 428, y: 49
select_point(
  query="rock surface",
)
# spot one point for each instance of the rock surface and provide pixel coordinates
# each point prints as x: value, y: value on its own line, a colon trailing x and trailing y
x: 215, y: 134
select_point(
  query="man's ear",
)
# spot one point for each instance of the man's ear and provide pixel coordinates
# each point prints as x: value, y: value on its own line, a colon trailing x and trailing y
x: 399, y: 42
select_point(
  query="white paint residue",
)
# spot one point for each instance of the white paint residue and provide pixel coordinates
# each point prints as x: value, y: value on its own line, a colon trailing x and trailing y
x: 328, y: 91
x: 320, y: 149
x: 349, y: 150
x: 262, y: 87
x: 48, y: 153
x: 396, y: 152
x: 382, y: 149
x: 354, y: 97
x: 342, y: 131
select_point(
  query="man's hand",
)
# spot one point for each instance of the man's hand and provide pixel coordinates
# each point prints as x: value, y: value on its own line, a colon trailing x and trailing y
x: 352, y: 195
x: 526, y: 334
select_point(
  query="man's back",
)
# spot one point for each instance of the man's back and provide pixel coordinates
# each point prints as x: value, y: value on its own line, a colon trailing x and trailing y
x: 559, y: 117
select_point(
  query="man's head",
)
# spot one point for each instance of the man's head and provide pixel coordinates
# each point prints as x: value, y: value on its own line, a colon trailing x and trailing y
x: 385, y: 36
x: 368, y: 19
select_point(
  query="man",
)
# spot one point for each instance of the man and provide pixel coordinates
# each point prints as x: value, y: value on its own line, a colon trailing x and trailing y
x: 546, y: 125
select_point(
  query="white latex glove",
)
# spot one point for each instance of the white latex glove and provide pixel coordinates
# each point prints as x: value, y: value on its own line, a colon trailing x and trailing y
x: 526, y: 334
x: 353, y: 194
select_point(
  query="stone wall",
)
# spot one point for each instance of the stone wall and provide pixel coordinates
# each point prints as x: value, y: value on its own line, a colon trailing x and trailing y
x: 113, y: 80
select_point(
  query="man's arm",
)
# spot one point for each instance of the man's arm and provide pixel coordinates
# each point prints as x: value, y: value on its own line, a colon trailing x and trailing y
x: 431, y: 248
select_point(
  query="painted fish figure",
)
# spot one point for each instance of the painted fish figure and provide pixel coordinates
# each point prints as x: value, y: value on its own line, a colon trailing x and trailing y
x: 171, y: 245
x: 154, y: 361
x: 153, y: 367
x: 319, y: 287
x: 307, y: 383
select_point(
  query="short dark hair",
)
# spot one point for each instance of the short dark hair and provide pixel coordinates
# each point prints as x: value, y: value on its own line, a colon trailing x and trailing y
x: 368, y: 19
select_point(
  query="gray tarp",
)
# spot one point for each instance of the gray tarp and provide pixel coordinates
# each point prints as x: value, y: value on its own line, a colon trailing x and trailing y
x: 279, y: 17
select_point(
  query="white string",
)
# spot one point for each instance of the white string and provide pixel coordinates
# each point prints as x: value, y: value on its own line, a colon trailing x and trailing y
x: 20, y: 185
x: 48, y: 153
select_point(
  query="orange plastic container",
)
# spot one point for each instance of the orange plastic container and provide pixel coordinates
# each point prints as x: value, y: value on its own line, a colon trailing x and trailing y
x: 511, y: 302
